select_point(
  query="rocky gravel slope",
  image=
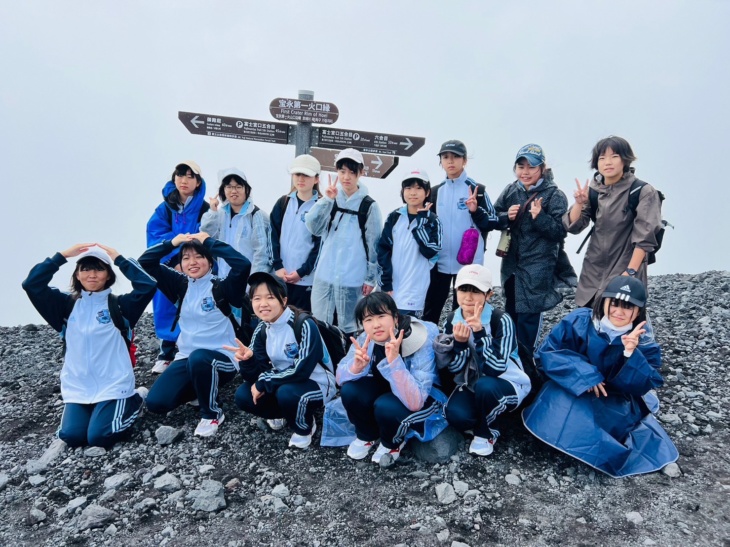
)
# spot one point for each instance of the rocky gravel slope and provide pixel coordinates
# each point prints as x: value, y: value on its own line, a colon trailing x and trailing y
x: 245, y: 487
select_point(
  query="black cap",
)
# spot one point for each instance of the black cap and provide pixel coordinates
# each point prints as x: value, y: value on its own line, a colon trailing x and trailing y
x: 261, y: 277
x: 455, y: 147
x: 626, y: 288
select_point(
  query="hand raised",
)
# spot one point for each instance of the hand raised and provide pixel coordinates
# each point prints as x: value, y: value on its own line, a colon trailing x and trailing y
x: 392, y: 346
x: 475, y: 320
x: 214, y: 201
x: 581, y: 194
x: 461, y: 332
x: 113, y: 253
x: 631, y: 340
x: 512, y: 212
x: 362, y: 358
x: 426, y: 207
x: 76, y: 250
x: 179, y: 239
x: 535, y: 207
x: 331, y: 190
x: 471, y: 202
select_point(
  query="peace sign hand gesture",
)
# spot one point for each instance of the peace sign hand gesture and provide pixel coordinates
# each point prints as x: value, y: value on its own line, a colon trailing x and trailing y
x: 475, y: 321
x: 392, y: 346
x: 331, y: 190
x: 242, y: 352
x: 631, y: 340
x: 426, y: 208
x: 362, y: 359
x: 581, y: 194
x: 471, y: 203
x: 535, y: 207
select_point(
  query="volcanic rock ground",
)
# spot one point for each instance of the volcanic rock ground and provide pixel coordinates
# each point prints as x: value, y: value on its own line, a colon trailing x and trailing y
x: 245, y: 487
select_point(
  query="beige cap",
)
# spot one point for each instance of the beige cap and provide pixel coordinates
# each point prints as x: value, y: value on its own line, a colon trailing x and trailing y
x: 306, y: 165
x: 194, y: 167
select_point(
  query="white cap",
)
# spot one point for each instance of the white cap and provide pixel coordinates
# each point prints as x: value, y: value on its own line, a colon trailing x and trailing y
x: 223, y: 173
x: 97, y: 252
x: 419, y: 174
x: 194, y: 167
x: 476, y: 275
x: 352, y: 154
x: 306, y: 165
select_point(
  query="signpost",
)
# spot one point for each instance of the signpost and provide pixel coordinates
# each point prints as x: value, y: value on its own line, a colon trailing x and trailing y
x: 376, y: 166
x: 380, y: 149
x: 235, y: 128
x: 299, y: 110
x: 375, y: 143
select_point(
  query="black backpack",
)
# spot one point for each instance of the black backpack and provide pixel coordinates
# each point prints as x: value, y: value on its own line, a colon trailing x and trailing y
x: 240, y: 318
x: 362, y: 218
x: 334, y: 339
x: 119, y: 321
x: 633, y: 203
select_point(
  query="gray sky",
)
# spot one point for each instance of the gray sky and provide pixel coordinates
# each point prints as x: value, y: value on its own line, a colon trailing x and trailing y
x: 90, y: 92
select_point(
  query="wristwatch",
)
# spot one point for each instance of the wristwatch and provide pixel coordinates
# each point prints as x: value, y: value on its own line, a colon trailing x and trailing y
x: 631, y: 272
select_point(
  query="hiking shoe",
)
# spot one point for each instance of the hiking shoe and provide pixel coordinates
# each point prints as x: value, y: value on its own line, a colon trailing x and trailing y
x: 382, y: 450
x: 277, y: 423
x: 194, y: 403
x: 208, y: 428
x: 160, y: 366
x: 481, y: 446
x: 359, y: 450
x: 302, y: 441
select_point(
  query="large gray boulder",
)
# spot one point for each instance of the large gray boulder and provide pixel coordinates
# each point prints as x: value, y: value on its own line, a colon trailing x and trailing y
x: 440, y: 449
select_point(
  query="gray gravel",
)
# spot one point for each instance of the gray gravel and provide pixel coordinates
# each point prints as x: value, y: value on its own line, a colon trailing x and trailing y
x: 246, y: 487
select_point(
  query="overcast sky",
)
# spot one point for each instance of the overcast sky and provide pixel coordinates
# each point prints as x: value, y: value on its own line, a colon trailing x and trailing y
x: 89, y: 95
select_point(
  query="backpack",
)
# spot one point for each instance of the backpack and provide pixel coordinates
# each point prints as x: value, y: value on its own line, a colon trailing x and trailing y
x: 119, y: 321
x: 240, y: 318
x: 335, y: 341
x: 362, y: 218
x: 633, y: 203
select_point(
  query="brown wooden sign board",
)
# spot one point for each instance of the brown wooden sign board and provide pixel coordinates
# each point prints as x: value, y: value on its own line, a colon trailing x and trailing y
x: 376, y: 166
x: 374, y: 143
x: 302, y: 110
x: 235, y: 128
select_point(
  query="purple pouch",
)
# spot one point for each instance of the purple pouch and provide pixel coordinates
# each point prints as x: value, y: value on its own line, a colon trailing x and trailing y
x: 468, y: 248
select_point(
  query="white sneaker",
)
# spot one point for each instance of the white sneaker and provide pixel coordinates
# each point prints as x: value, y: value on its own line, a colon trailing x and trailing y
x: 481, y: 446
x: 208, y: 428
x: 359, y: 450
x: 142, y: 392
x: 382, y: 450
x: 277, y: 423
x: 194, y: 403
x: 160, y: 366
x: 302, y: 441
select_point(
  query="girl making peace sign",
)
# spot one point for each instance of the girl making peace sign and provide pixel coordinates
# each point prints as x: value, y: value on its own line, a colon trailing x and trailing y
x: 598, y: 405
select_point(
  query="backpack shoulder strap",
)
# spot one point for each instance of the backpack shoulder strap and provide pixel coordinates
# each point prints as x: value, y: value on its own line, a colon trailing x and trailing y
x: 362, y: 219
x: 593, y: 200
x: 299, y: 319
x: 203, y: 209
x: 120, y: 322
x: 494, y: 321
x: 220, y: 302
x: 178, y: 304
x: 634, y: 194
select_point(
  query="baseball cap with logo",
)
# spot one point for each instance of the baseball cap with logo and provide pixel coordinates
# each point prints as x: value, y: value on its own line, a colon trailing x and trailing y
x: 453, y: 146
x: 626, y: 288
x: 476, y: 275
x: 350, y: 154
x: 419, y: 174
x: 533, y: 153
x: 306, y: 165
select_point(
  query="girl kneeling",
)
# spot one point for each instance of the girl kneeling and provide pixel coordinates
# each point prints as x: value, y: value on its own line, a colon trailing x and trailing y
x: 388, y: 379
x: 286, y: 370
x: 597, y: 405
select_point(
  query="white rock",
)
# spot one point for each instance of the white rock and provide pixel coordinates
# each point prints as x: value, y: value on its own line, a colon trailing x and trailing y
x: 634, y: 517
x: 94, y: 451
x: 4, y: 480
x: 167, y: 483
x: 672, y: 470
x: 459, y: 544
x: 76, y: 503
x: 95, y: 516
x: 280, y: 506
x: 460, y: 487
x: 204, y: 469
x: 111, y: 530
x: 36, y: 480
x: 512, y: 479
x: 443, y: 535
x: 671, y: 419
x: 445, y: 493
x: 36, y: 516
x: 117, y: 481
x: 280, y: 491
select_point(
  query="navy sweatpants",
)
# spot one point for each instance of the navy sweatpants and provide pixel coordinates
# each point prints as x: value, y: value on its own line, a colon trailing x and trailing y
x: 377, y: 413
x: 98, y: 424
x: 437, y: 294
x: 480, y: 410
x: 295, y: 401
x: 527, y: 325
x: 199, y: 376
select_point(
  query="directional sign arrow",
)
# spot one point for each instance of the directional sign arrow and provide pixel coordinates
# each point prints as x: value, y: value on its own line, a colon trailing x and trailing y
x: 376, y: 167
x: 236, y: 128
x: 375, y: 143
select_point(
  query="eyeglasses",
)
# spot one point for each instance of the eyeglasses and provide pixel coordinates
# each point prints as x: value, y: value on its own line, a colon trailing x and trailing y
x: 625, y: 304
x: 233, y: 187
x: 91, y: 268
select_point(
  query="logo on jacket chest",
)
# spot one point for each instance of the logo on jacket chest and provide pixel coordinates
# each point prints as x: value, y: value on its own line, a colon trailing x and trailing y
x: 291, y: 350
x: 461, y: 205
x: 103, y: 317
x: 208, y: 304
